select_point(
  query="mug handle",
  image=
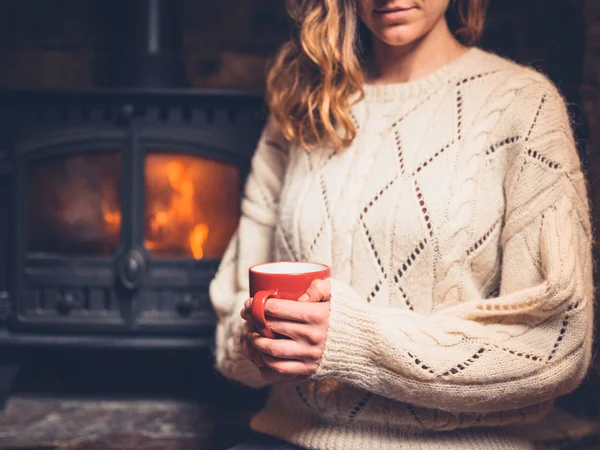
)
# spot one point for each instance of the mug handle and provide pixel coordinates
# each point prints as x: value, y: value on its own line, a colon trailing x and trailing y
x: 258, y: 312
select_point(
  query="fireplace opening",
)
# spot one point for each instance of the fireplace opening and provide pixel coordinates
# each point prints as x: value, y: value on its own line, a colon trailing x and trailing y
x: 74, y: 205
x: 192, y: 205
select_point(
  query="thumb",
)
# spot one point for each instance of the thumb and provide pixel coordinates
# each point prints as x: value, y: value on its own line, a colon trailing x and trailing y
x: 317, y: 291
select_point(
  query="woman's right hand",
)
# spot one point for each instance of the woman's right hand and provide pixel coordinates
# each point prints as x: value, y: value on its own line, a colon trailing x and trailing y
x: 253, y: 354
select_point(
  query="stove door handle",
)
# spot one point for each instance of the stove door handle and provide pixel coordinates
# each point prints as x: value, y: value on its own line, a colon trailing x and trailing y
x: 131, y: 269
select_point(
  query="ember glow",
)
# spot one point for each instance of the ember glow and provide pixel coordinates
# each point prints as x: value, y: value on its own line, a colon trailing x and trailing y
x: 112, y: 220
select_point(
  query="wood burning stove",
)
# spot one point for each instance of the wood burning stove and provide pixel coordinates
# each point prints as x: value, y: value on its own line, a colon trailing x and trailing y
x: 117, y: 203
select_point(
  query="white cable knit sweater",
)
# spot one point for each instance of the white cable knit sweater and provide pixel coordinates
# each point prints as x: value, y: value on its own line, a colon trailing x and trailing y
x: 457, y: 229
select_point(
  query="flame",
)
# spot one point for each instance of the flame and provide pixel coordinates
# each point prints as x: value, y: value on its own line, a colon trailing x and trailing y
x: 173, y: 210
x: 197, y: 238
x: 112, y: 219
x: 173, y: 227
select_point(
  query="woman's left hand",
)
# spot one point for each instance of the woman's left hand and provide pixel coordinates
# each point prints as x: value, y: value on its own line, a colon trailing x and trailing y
x: 304, y: 322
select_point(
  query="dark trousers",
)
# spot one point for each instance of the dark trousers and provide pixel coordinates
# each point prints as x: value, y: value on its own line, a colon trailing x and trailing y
x: 262, y: 442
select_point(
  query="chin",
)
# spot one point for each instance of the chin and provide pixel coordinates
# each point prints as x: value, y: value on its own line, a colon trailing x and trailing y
x: 400, y: 36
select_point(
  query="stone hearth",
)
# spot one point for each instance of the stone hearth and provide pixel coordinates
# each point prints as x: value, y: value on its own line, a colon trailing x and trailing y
x: 111, y: 424
x: 79, y: 424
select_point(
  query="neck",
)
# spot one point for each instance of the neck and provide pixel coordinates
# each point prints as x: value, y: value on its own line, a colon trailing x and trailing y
x: 398, y: 64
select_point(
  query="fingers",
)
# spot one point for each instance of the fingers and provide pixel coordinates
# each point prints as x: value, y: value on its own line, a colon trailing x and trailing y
x: 294, y: 310
x: 292, y: 330
x: 252, y: 354
x: 249, y: 351
x: 246, y: 311
x: 303, y: 312
x: 299, y: 332
x: 246, y: 315
x: 285, y: 348
x: 286, y: 309
x: 274, y: 308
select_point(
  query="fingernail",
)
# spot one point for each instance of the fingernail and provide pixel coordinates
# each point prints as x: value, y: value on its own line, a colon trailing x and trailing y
x: 247, y: 304
x: 303, y: 298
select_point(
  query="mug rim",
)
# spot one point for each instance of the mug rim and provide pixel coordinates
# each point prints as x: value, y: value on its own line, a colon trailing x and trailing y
x: 323, y: 267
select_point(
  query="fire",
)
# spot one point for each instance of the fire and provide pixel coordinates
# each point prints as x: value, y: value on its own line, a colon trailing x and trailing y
x: 197, y: 238
x: 173, y: 226
x: 173, y: 209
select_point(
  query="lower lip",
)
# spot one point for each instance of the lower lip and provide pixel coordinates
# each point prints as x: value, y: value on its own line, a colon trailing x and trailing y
x: 393, y: 15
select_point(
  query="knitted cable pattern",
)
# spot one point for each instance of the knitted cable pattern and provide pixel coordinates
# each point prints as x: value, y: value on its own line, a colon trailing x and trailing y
x: 457, y: 229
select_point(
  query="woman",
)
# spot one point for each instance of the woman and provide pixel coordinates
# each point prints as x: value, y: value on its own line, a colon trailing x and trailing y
x: 442, y: 185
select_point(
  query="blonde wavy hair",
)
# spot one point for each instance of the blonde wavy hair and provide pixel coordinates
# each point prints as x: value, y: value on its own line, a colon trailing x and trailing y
x: 318, y: 73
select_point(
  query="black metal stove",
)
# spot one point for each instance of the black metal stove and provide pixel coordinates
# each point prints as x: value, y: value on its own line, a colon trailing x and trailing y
x: 117, y: 203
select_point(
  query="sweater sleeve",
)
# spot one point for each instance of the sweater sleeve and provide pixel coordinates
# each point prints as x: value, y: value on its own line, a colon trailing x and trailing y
x: 251, y: 244
x: 530, y: 343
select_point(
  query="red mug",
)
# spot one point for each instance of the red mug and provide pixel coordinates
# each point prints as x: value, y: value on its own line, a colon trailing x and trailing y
x: 284, y: 280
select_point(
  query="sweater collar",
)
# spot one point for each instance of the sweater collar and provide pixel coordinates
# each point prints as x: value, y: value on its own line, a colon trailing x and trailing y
x: 381, y: 93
